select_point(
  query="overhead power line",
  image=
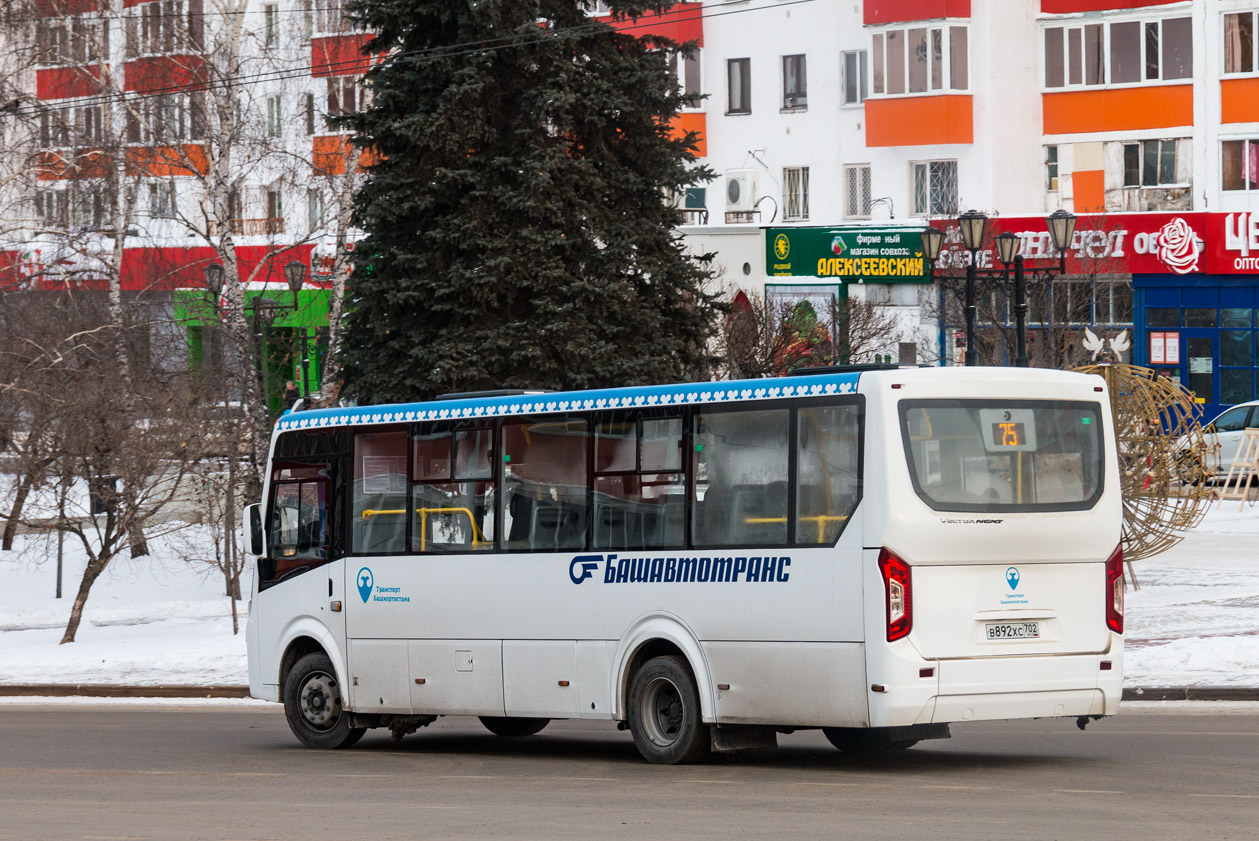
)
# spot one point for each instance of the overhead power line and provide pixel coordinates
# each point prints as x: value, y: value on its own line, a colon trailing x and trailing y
x: 513, y: 41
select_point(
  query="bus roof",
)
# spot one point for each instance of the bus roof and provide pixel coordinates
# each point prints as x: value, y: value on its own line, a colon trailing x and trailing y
x: 677, y: 394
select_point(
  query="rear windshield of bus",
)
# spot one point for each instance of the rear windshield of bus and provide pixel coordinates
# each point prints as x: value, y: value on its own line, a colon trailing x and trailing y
x: 1012, y: 455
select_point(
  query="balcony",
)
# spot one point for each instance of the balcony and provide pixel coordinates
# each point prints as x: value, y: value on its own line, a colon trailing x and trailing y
x: 251, y: 227
x: 692, y: 215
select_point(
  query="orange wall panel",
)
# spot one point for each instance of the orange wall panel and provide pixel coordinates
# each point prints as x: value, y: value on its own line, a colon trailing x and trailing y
x: 920, y: 120
x: 90, y: 163
x: 1239, y: 101
x: 329, y: 151
x: 1121, y: 109
x: 1090, y: 191
x: 696, y: 122
x: 164, y: 161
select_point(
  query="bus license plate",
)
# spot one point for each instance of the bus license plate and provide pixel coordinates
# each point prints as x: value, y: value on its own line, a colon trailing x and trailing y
x: 1013, y: 630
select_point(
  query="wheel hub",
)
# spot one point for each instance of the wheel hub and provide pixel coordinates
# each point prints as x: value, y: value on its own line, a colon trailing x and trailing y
x: 663, y: 711
x: 321, y: 701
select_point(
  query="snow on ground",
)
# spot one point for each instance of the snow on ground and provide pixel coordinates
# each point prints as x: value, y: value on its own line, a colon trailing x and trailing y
x: 153, y: 620
x: 164, y: 619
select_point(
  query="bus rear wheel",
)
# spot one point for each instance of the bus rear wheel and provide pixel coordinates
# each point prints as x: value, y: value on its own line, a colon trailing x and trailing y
x: 664, y: 713
x: 312, y: 705
x: 866, y: 741
x: 514, y: 726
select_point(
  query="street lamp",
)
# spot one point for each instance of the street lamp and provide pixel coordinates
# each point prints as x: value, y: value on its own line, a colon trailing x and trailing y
x: 214, y: 276
x: 295, y: 275
x: 1008, y: 251
x: 974, y: 225
x: 1061, y: 226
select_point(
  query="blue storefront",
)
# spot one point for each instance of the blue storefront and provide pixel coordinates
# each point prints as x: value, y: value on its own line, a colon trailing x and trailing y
x: 1214, y: 318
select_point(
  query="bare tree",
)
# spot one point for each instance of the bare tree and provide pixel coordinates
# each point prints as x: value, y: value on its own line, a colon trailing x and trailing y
x: 766, y: 336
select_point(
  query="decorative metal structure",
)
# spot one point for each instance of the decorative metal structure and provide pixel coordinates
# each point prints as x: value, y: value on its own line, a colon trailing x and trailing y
x: 1163, y: 457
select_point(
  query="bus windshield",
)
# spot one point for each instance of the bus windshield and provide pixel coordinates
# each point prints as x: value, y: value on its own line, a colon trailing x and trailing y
x: 1013, y: 455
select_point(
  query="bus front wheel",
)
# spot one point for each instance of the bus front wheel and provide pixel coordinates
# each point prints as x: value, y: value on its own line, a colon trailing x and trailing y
x: 664, y: 713
x: 867, y: 741
x: 514, y: 726
x: 312, y: 705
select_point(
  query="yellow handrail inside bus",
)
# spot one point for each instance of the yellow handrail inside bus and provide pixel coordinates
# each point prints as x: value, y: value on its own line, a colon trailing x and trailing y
x: 477, y: 539
x: 821, y: 519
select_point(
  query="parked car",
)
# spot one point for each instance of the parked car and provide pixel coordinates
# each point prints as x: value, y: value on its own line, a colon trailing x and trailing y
x: 1228, y: 427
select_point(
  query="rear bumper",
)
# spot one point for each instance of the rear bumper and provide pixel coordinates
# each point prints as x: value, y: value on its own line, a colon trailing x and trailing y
x: 987, y: 688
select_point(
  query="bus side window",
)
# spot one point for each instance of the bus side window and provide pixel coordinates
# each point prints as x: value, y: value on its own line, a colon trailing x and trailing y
x: 639, y: 487
x: 452, y: 490
x: 740, y: 464
x: 545, y: 483
x: 828, y: 483
x: 379, y: 496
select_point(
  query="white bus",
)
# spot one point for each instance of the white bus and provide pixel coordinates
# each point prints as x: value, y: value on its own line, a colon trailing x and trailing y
x: 876, y: 553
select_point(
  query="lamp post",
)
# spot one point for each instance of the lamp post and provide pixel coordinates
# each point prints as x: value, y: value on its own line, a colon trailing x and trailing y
x: 1007, y: 250
x: 295, y: 274
x: 974, y: 225
x: 215, y: 275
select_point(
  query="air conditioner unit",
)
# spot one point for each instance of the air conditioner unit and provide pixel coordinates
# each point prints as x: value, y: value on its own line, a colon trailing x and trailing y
x: 741, y: 190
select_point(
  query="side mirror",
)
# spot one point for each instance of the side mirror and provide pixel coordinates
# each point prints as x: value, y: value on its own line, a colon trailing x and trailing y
x: 253, y: 522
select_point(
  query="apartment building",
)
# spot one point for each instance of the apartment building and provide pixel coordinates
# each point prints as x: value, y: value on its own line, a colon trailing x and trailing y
x: 829, y: 121
x: 837, y: 129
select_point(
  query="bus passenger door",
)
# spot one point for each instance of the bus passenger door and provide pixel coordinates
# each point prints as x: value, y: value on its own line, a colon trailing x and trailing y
x: 300, y: 587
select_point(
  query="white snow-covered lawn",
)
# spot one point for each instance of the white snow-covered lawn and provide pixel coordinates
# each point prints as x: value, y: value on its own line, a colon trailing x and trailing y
x: 164, y: 619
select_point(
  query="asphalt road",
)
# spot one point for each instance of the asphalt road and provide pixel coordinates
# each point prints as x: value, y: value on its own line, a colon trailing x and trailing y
x: 115, y: 772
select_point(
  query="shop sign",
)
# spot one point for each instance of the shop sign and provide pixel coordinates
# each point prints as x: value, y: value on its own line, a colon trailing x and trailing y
x: 1126, y: 243
x: 846, y: 255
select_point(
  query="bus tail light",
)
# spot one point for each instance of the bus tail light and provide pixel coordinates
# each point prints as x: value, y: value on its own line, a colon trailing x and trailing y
x: 1115, y: 590
x: 896, y: 583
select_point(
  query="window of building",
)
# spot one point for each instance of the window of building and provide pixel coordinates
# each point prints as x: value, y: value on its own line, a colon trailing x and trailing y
x: 330, y: 17
x: 687, y: 71
x: 795, y: 83
x: 1239, y: 43
x: 162, y: 200
x: 275, y: 209
x: 341, y: 95
x: 167, y: 118
x: 52, y: 208
x: 795, y: 193
x: 920, y: 60
x: 1051, y: 168
x: 314, y: 210
x: 273, y: 116
x: 856, y: 67
x: 857, y: 191
x: 270, y: 24
x: 1149, y: 163
x: 1134, y: 52
x: 308, y: 20
x: 161, y: 27
x: 739, y: 86
x: 308, y: 115
x: 935, y: 188
x: 1240, y: 170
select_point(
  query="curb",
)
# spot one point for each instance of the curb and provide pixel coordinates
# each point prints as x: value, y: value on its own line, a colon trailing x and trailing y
x: 1192, y: 693
x: 103, y: 690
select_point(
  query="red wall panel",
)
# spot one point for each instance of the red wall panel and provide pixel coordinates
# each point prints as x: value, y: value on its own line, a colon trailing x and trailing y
x: 682, y: 23
x: 1066, y: 7
x: 65, y: 82
x: 164, y: 73
x: 339, y: 55
x: 897, y: 11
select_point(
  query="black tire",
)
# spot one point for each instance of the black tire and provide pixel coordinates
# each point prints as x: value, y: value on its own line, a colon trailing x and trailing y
x: 513, y: 727
x: 312, y: 705
x: 664, y: 713
x: 866, y: 741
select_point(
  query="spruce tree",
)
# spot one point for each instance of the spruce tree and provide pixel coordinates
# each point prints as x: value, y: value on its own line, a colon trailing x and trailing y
x: 518, y: 233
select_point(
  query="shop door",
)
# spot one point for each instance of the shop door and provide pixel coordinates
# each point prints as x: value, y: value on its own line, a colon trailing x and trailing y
x: 1199, y: 364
